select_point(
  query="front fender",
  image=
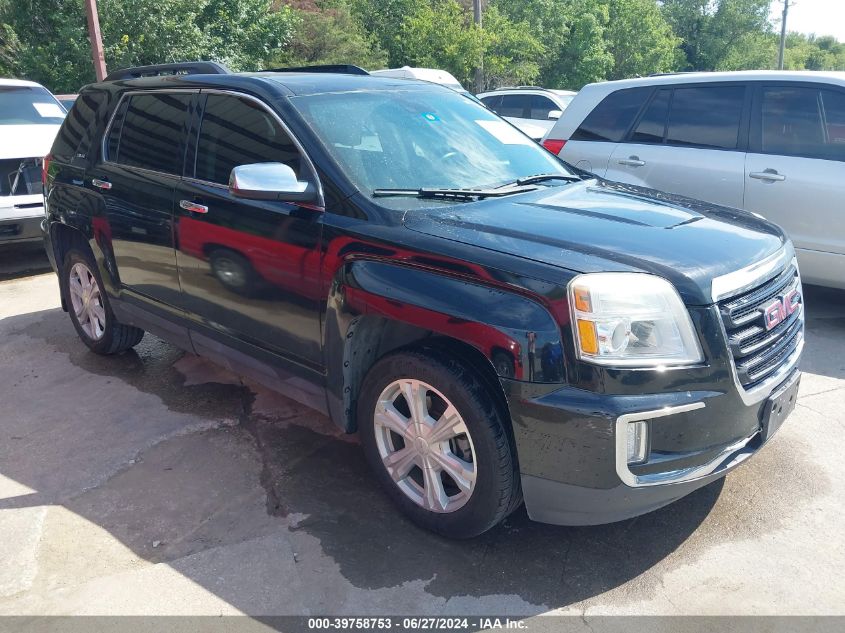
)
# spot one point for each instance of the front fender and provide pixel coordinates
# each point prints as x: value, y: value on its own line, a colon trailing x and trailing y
x: 515, y: 334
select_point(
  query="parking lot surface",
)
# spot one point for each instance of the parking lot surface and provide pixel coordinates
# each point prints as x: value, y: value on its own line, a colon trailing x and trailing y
x: 157, y: 483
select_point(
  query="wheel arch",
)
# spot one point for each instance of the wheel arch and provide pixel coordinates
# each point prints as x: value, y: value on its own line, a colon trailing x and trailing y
x: 375, y: 308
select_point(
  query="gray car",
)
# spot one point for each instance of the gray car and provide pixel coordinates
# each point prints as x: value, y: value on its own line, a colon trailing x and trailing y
x: 768, y: 142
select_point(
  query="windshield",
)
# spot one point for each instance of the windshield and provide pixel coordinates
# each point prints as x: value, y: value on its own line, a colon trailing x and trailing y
x: 421, y: 138
x: 29, y: 105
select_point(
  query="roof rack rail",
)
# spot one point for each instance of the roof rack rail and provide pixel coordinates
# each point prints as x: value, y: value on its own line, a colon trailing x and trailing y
x: 343, y: 69
x: 677, y: 72
x: 158, y: 70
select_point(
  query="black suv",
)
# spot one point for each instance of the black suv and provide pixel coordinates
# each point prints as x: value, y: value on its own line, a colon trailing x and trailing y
x: 493, y: 323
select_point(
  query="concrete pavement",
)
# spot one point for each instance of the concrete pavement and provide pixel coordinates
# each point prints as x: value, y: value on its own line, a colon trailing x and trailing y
x: 157, y: 483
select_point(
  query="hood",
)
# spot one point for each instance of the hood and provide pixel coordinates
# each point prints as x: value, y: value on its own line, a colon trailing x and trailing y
x: 26, y: 141
x: 596, y: 226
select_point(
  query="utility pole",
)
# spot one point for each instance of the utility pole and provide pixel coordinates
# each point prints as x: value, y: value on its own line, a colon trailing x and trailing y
x: 783, y: 34
x: 479, y: 70
x: 97, y: 54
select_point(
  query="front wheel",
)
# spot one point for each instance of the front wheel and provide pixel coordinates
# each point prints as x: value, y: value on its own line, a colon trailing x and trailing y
x: 438, y: 444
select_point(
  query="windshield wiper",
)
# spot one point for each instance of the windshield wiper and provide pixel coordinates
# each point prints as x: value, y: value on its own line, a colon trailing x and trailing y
x: 453, y: 194
x: 538, y: 178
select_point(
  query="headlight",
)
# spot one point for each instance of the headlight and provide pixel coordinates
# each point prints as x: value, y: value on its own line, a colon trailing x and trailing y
x: 631, y: 320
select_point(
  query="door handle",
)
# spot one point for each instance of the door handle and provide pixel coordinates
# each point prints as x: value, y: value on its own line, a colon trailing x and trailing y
x: 101, y: 184
x: 193, y: 206
x: 770, y: 175
x: 632, y: 161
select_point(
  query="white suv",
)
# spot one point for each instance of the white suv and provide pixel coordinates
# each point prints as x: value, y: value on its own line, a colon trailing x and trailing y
x: 532, y: 109
x: 768, y: 142
x: 29, y: 119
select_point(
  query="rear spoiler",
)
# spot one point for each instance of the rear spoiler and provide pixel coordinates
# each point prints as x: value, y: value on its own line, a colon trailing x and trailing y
x: 158, y: 70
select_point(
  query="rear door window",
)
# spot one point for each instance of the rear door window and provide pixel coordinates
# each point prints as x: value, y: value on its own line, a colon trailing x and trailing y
x: 154, y: 132
x: 513, y: 106
x: 803, y: 121
x: 541, y: 106
x: 652, y: 124
x: 706, y: 116
x: 610, y: 119
x: 237, y: 131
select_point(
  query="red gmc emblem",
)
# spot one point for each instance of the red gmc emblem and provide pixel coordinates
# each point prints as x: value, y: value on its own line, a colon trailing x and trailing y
x: 781, y: 308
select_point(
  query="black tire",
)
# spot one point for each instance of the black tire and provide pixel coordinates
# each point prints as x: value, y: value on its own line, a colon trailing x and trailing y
x: 497, y: 490
x: 235, y: 272
x: 116, y: 336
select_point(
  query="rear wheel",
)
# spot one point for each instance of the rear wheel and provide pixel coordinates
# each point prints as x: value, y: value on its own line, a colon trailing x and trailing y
x: 89, y: 308
x: 438, y: 443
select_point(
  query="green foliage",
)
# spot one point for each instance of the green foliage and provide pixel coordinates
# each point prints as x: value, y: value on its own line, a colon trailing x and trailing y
x: 441, y: 34
x: 556, y: 43
x: 51, y: 36
x: 331, y: 35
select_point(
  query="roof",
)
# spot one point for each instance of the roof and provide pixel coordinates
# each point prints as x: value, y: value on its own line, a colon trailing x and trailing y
x: 738, y: 75
x: 19, y: 82
x: 284, y: 83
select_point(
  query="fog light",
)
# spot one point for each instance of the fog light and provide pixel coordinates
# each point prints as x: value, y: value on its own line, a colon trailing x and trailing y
x: 637, y: 442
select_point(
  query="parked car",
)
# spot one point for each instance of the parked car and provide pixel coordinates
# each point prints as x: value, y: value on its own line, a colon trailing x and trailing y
x: 493, y: 325
x: 532, y: 109
x: 433, y: 75
x: 66, y: 101
x: 29, y: 120
x: 768, y: 142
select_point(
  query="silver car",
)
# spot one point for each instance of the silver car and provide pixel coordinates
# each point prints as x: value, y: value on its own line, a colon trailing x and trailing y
x: 768, y: 142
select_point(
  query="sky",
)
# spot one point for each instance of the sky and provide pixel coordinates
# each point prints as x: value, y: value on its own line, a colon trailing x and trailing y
x: 822, y: 17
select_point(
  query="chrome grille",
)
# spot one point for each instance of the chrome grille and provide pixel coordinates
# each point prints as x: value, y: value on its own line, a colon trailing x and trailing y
x: 758, y: 352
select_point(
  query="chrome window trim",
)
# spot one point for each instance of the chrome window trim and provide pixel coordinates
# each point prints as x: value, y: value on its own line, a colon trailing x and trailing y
x: 735, y: 452
x: 232, y: 93
x: 751, y: 276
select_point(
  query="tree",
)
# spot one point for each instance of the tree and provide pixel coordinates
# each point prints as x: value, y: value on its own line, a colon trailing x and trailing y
x: 52, y: 47
x: 441, y: 34
x: 329, y: 34
x: 384, y: 20
x: 510, y: 51
x: 639, y: 39
x: 713, y: 31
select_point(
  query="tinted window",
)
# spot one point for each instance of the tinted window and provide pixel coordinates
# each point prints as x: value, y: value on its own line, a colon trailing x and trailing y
x: 154, y: 131
x: 29, y: 105
x: 803, y: 122
x: 706, y: 117
x: 611, y: 118
x: 78, y: 122
x: 513, y: 105
x: 237, y: 131
x: 541, y: 106
x: 652, y: 125
x: 492, y: 102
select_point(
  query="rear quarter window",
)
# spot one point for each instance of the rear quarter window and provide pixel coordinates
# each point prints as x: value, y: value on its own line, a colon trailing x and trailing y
x: 611, y: 118
x: 74, y: 137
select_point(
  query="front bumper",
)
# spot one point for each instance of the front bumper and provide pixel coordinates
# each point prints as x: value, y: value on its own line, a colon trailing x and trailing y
x: 573, y: 460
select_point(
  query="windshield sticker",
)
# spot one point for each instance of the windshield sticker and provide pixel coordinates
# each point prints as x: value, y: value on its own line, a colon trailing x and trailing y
x: 430, y: 116
x: 505, y: 133
x: 49, y: 110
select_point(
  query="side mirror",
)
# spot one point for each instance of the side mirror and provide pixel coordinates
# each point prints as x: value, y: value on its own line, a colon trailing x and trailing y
x: 554, y: 115
x: 270, y: 181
